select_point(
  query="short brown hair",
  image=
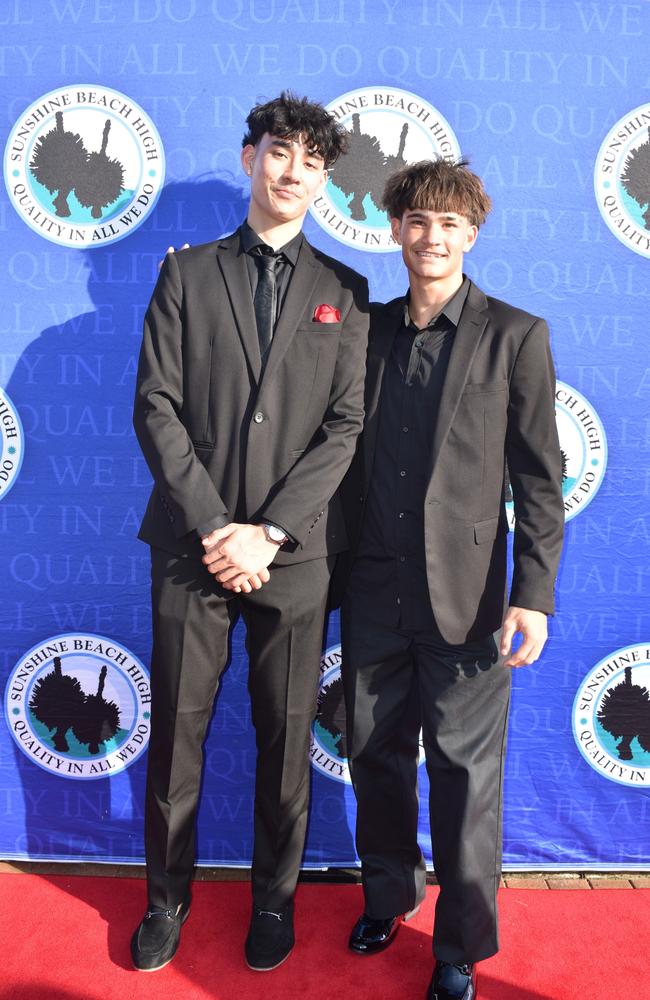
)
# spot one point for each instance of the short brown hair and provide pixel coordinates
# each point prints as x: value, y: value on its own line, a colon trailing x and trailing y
x: 292, y: 117
x: 437, y: 186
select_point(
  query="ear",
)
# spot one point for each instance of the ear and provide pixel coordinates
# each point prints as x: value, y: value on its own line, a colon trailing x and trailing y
x: 470, y: 238
x: 396, y: 230
x: 247, y: 156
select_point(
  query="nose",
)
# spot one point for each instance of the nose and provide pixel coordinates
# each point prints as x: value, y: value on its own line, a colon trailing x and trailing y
x: 433, y: 234
x: 291, y: 172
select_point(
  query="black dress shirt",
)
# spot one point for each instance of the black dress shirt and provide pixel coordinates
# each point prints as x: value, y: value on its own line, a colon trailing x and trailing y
x: 251, y: 244
x: 389, y: 577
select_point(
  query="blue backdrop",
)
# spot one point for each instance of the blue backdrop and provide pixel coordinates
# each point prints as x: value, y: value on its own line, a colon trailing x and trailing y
x: 549, y: 100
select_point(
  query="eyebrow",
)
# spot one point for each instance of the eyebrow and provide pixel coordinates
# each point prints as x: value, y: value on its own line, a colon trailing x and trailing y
x: 287, y: 144
x: 417, y: 214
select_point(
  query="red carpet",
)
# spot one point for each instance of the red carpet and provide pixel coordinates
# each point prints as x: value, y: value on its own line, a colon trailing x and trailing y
x: 66, y: 938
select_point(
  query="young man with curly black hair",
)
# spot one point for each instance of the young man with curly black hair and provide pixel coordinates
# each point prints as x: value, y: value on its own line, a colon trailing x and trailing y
x: 249, y: 401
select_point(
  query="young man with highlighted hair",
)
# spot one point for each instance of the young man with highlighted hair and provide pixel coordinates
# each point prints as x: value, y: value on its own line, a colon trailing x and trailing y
x: 459, y: 387
x: 248, y: 404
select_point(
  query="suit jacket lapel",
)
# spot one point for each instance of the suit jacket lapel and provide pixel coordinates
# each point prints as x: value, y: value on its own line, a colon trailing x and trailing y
x: 473, y: 321
x: 304, y: 278
x: 384, y: 328
x: 235, y: 275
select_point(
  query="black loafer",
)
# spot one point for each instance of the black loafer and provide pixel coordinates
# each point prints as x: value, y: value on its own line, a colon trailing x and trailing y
x: 157, y: 937
x: 370, y: 936
x: 270, y: 938
x: 452, y: 982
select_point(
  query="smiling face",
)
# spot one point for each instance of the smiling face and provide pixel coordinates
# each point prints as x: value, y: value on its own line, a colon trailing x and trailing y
x: 433, y: 244
x: 285, y: 179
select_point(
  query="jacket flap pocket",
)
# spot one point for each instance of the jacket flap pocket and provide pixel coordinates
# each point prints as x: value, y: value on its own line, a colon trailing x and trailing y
x: 498, y: 385
x: 485, y: 531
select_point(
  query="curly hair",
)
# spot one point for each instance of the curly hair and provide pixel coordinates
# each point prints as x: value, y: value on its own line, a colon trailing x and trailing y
x: 291, y: 117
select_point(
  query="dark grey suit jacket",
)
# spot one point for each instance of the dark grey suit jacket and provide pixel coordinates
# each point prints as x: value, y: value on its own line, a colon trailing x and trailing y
x: 497, y: 405
x: 224, y: 438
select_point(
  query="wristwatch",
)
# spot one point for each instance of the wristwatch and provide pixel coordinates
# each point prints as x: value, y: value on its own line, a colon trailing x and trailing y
x: 274, y: 534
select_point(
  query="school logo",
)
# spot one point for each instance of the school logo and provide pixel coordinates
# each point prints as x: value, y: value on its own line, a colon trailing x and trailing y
x: 329, y: 751
x: 584, y: 451
x: 11, y: 444
x: 388, y: 128
x: 622, y: 180
x: 84, y: 166
x: 611, y: 717
x: 79, y: 705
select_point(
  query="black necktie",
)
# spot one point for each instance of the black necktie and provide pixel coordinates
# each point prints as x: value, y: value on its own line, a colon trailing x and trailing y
x: 265, y: 299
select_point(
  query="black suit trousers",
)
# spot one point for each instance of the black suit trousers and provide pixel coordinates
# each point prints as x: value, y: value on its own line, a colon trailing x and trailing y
x: 284, y: 635
x: 396, y: 681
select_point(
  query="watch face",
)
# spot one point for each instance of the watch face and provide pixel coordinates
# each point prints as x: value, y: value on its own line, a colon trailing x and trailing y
x: 275, y: 534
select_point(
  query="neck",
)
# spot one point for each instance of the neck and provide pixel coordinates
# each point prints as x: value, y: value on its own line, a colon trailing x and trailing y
x: 429, y: 296
x: 276, y: 234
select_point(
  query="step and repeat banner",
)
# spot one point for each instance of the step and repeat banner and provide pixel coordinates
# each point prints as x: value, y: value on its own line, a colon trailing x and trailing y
x: 122, y: 124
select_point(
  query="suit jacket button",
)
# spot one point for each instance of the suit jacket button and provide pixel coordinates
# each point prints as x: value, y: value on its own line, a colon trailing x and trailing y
x: 259, y: 417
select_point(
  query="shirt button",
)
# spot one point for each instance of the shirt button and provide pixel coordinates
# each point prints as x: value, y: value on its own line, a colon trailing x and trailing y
x: 398, y: 601
x: 402, y: 473
x: 405, y: 430
x: 259, y: 417
x: 402, y: 558
x: 401, y: 514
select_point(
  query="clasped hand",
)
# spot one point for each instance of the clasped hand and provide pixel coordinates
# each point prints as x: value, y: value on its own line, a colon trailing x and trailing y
x: 238, y: 555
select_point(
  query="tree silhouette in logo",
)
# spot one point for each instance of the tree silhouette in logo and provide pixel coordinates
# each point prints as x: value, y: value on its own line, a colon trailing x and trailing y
x: 61, y: 163
x: 60, y: 703
x: 57, y: 701
x: 564, y: 465
x: 331, y: 715
x: 625, y: 713
x: 365, y: 169
x: 100, y: 719
x: 102, y: 180
x: 58, y: 163
x: 635, y: 177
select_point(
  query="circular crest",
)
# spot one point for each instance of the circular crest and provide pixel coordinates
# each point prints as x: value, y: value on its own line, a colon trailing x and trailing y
x: 84, y: 166
x: 611, y: 717
x: 78, y: 705
x: 622, y: 180
x: 388, y: 128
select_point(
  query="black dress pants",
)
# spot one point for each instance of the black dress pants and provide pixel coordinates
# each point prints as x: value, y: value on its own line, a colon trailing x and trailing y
x: 284, y: 635
x: 396, y: 681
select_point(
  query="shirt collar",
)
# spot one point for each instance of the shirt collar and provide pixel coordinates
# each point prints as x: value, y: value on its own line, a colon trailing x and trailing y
x: 451, y: 311
x: 248, y: 240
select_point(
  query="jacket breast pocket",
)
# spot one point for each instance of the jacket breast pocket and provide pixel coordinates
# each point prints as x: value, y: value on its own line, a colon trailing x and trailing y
x: 312, y: 328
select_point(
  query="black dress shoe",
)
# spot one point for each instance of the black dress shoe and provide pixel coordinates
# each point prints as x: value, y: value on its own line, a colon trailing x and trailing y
x: 157, y: 937
x: 270, y: 938
x: 452, y: 982
x: 370, y: 936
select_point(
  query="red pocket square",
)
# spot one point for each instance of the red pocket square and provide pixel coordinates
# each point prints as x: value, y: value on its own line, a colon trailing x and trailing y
x: 326, y: 314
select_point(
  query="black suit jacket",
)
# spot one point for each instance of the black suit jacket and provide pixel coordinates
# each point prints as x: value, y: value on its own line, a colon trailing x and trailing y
x: 224, y: 437
x: 497, y: 405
